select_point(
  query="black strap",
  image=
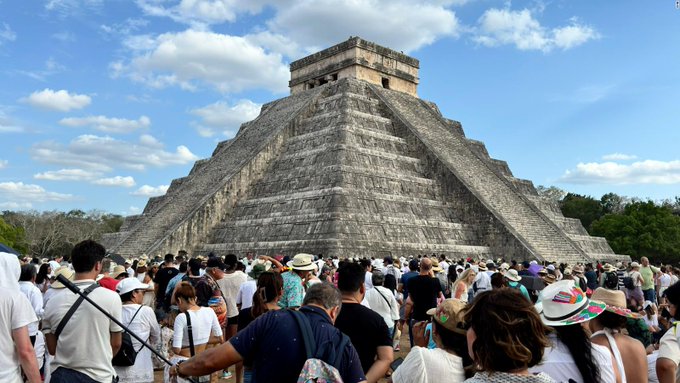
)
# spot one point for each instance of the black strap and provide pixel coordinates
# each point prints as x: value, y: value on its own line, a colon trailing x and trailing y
x: 73, y: 309
x: 307, y: 334
x: 340, y: 350
x: 383, y: 297
x: 133, y: 318
x: 192, y: 350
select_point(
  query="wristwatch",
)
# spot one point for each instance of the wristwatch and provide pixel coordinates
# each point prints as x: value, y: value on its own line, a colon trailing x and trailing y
x: 177, y: 370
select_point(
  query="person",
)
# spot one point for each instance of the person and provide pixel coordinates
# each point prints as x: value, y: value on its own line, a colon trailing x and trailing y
x: 648, y: 272
x: 16, y: 313
x: 183, y: 267
x: 56, y: 286
x: 664, y: 279
x: 446, y: 362
x: 629, y: 353
x: 390, y: 268
x: 365, y: 328
x: 506, y: 337
x: 150, y: 293
x: 162, y: 279
x: 382, y: 300
x: 107, y: 280
x: 32, y: 293
x: 56, y: 262
x: 141, y: 269
x: 669, y: 346
x: 205, y: 328
x: 571, y: 355
x: 229, y: 284
x: 636, y: 292
x: 482, y: 280
x: 269, y: 291
x: 293, y: 290
x: 651, y: 319
x: 204, y: 288
x: 424, y: 292
x: 462, y: 285
x: 609, y: 278
x: 244, y: 298
x: 89, y: 339
x: 512, y: 279
x: 42, y: 280
x: 278, y: 358
x: 141, y: 320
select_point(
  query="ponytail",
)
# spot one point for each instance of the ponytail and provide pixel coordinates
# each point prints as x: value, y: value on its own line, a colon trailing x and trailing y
x: 269, y: 288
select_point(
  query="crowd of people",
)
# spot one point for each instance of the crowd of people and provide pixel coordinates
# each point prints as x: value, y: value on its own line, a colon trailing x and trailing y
x: 288, y: 319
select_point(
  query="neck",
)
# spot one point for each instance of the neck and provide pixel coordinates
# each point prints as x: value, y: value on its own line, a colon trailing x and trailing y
x: 88, y: 275
x: 425, y: 272
x: 354, y: 297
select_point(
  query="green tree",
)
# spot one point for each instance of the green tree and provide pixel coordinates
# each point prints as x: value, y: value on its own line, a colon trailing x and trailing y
x: 587, y: 209
x: 642, y: 229
x: 552, y: 193
x: 13, y: 237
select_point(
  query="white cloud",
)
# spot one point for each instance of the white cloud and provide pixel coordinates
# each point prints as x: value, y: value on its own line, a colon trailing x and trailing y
x: 7, y: 124
x: 399, y: 24
x: 132, y: 210
x: 225, y: 118
x: 60, y: 100
x: 618, y: 157
x: 150, y: 191
x: 52, y: 67
x: 69, y: 7
x: 7, y: 34
x: 3, y: 164
x: 126, y: 182
x: 199, y: 12
x: 125, y: 28
x: 107, y: 124
x: 15, y: 205
x: 194, y: 58
x: 18, y: 193
x: 640, y: 172
x: 67, y: 175
x: 519, y: 28
x: 97, y: 153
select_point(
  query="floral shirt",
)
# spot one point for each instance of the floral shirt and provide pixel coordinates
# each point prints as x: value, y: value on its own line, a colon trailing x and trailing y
x: 293, y: 291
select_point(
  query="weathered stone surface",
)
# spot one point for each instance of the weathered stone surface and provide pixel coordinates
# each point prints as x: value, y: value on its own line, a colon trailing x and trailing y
x: 351, y: 169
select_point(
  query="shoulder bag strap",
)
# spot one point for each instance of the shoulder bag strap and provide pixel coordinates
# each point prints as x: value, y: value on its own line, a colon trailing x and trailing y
x: 133, y: 318
x: 340, y: 351
x: 383, y: 297
x: 307, y: 334
x: 73, y: 309
x: 192, y: 350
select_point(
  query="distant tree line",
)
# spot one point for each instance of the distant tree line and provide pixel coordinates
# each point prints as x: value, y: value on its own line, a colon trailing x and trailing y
x: 639, y: 228
x: 49, y: 233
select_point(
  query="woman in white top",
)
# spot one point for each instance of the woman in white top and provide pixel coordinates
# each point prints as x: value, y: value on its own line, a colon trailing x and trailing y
x: 462, y: 284
x: 571, y: 355
x: 205, y: 328
x: 447, y: 362
x: 142, y: 321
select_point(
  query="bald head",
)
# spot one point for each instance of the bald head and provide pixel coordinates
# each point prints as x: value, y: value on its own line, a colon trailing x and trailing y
x: 425, y: 264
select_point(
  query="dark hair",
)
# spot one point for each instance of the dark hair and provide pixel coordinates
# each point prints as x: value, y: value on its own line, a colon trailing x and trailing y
x: 350, y: 277
x: 86, y: 254
x: 42, y: 273
x: 323, y: 294
x: 27, y: 272
x: 390, y: 282
x: 413, y: 265
x: 240, y: 266
x: 169, y: 258
x: 183, y: 267
x: 150, y: 272
x: 127, y: 297
x: 185, y: 291
x: 457, y: 343
x: 230, y: 261
x: 510, y: 334
x: 365, y: 263
x: 673, y: 295
x: 612, y: 321
x: 269, y: 287
x: 581, y: 350
x: 452, y: 274
x: 498, y: 281
x: 195, y: 266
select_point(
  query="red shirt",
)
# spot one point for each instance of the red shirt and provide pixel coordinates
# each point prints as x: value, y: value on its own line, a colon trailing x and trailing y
x: 109, y: 283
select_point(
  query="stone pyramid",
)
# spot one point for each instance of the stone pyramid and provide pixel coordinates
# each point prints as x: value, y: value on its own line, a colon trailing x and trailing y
x: 353, y: 163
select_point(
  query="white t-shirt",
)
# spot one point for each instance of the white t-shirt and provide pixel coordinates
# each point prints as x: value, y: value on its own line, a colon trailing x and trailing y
x: 651, y: 322
x: 203, y: 323
x: 15, y: 312
x: 230, y: 285
x: 85, y: 342
x: 424, y: 365
x: 36, y: 298
x: 635, y: 275
x: 368, y: 280
x: 390, y: 269
x: 245, y: 294
x: 389, y: 312
x: 669, y: 347
x: 559, y: 364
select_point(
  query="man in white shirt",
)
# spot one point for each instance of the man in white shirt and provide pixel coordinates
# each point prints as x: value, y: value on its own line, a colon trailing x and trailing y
x: 482, y: 280
x: 390, y: 269
x: 89, y: 339
x: 28, y: 288
x: 381, y: 300
x: 664, y: 280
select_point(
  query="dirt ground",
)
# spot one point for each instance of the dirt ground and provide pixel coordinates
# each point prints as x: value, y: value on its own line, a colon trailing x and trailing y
x: 405, y: 347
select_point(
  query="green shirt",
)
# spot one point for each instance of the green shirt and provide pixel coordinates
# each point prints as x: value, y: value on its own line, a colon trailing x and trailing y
x: 648, y: 275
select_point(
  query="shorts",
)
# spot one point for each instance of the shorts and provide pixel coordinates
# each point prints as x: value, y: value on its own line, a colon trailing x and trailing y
x: 232, y: 321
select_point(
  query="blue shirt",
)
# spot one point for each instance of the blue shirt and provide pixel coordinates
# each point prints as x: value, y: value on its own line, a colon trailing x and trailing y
x: 404, y: 280
x: 273, y: 345
x: 173, y: 282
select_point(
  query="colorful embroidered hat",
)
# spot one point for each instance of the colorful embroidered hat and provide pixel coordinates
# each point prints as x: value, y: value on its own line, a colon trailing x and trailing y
x: 563, y: 304
x: 449, y: 314
x: 615, y: 300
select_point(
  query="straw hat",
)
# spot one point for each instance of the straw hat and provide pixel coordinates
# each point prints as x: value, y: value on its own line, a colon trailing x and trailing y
x: 615, y: 301
x: 449, y: 314
x: 563, y: 304
x: 141, y: 263
x: 512, y: 275
x: 302, y: 262
x: 634, y: 265
x: 549, y: 279
x: 117, y: 271
x: 567, y: 271
x: 66, y: 272
x: 482, y: 267
x: 607, y: 267
x: 435, y: 266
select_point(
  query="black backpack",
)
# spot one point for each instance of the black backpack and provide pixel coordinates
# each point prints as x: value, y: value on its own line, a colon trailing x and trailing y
x: 628, y: 283
x: 127, y: 354
x: 611, y: 280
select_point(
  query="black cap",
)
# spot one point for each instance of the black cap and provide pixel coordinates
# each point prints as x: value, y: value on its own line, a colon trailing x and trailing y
x: 216, y: 262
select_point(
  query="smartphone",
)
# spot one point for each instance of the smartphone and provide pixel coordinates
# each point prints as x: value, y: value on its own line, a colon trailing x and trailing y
x: 396, y: 363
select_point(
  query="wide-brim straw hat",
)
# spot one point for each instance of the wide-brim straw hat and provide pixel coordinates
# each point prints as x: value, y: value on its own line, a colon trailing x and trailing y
x: 512, y: 275
x: 564, y: 304
x: 302, y: 262
x: 435, y: 266
x: 615, y: 301
x: 608, y: 267
x: 66, y: 272
x: 117, y: 271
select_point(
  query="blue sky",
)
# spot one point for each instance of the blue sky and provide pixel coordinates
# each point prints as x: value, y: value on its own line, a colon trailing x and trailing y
x: 103, y: 103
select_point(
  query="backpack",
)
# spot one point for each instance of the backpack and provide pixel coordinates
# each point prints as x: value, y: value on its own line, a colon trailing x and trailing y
x: 611, y: 280
x: 127, y: 354
x: 628, y: 283
x: 316, y: 369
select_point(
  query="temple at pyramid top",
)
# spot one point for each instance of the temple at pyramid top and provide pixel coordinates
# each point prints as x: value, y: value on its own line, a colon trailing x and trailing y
x: 359, y: 59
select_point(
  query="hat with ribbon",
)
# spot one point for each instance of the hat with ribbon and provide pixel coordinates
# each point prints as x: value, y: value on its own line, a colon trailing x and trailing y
x: 615, y: 301
x: 449, y: 314
x: 564, y: 304
x: 302, y: 262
